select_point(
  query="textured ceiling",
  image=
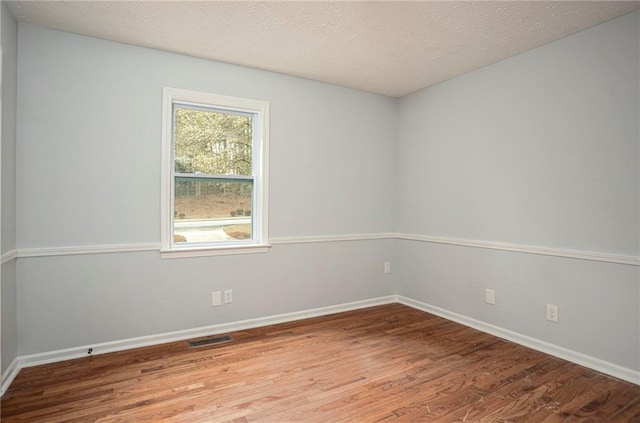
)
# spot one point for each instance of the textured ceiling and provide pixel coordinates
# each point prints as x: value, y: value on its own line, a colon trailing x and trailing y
x: 392, y: 48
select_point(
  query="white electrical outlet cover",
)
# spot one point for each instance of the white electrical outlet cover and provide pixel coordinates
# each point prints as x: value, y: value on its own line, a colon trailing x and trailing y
x: 490, y: 296
x: 553, y: 313
x: 216, y: 298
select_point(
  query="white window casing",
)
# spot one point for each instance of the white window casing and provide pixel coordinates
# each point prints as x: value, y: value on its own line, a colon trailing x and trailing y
x: 259, y: 110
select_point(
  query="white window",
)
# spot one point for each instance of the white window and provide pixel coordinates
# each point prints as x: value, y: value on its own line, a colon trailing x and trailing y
x: 214, y: 174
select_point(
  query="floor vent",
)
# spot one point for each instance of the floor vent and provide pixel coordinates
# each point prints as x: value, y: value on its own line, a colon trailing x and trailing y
x: 210, y: 341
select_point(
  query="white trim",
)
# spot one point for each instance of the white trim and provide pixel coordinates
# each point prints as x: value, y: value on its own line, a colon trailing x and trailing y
x: 8, y: 376
x: 166, y: 169
x: 215, y: 251
x: 519, y: 248
x: 187, y: 252
x: 8, y: 256
x: 331, y: 238
x: 88, y: 249
x: 597, y: 364
x: 144, y: 341
x: 260, y: 168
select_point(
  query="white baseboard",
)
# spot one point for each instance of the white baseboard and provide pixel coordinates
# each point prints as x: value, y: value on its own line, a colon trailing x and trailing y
x: 602, y: 366
x: 597, y: 364
x: 144, y: 341
x: 9, y: 375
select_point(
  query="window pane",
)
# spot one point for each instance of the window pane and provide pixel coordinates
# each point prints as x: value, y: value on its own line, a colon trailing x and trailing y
x: 212, y: 210
x: 212, y: 142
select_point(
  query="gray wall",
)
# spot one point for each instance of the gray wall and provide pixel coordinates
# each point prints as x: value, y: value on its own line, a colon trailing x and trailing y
x: 9, y: 35
x: 90, y: 131
x: 83, y: 300
x: 89, y: 174
x: 538, y: 150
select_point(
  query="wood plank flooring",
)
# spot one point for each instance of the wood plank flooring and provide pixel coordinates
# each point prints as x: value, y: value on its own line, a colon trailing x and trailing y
x: 386, y: 363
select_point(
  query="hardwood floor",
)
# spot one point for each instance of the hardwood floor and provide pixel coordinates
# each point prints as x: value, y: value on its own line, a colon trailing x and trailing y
x: 387, y: 363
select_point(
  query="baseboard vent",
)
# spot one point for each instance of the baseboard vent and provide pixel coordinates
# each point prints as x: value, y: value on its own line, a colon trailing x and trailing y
x: 210, y: 341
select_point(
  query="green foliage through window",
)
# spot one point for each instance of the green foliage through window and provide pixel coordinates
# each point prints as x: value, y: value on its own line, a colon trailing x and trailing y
x: 212, y: 142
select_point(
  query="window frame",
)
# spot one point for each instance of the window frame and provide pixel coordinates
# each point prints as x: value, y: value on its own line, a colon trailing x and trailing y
x: 260, y: 153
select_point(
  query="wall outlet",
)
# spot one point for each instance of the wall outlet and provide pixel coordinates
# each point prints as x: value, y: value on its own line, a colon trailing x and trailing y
x: 387, y: 267
x: 490, y: 296
x: 228, y: 296
x: 216, y: 298
x: 553, y: 313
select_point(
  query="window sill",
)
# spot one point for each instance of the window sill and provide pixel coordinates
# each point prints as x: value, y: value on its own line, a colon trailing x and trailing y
x: 214, y: 251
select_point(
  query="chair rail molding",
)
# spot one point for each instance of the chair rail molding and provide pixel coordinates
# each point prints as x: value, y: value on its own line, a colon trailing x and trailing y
x: 309, y: 239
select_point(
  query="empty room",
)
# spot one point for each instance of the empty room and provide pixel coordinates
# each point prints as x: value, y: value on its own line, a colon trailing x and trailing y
x: 332, y: 211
